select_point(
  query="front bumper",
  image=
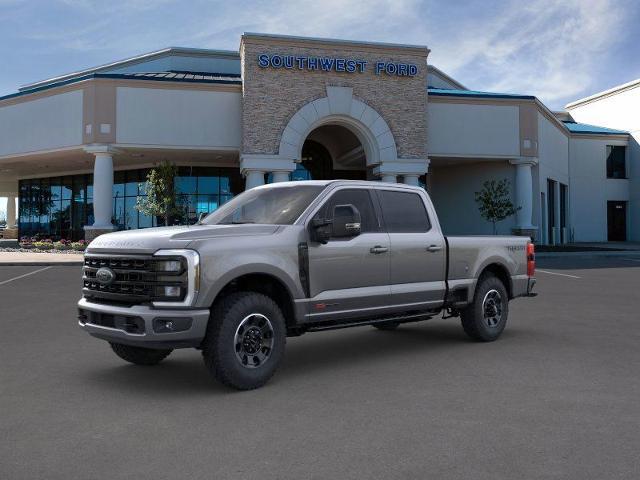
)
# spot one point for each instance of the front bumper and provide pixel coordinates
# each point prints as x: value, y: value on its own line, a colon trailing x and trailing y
x: 143, y: 326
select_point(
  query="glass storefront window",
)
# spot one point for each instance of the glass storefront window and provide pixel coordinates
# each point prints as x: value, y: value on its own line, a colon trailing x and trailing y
x: 209, y: 185
x: 131, y: 214
x: 67, y: 189
x: 59, y: 207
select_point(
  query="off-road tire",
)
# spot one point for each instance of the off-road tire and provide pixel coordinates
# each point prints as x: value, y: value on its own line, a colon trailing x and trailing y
x: 473, y: 318
x: 139, y: 355
x: 387, y: 326
x: 219, y: 346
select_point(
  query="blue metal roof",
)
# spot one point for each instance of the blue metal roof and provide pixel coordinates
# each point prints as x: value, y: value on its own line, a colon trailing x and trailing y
x: 444, y: 92
x: 575, y: 127
x: 188, y: 77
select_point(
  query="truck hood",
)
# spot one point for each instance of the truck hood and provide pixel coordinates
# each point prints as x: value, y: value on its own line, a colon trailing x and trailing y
x: 148, y: 240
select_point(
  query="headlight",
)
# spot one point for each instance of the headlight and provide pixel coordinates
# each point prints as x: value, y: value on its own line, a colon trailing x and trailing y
x: 172, y: 272
x: 172, y: 266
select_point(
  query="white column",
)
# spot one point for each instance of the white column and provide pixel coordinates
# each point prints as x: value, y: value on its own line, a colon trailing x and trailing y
x: 254, y: 165
x: 103, y: 190
x: 524, y: 192
x: 254, y: 178
x: 413, y: 180
x: 11, y: 212
x: 280, y: 176
x: 102, y: 186
x: 409, y: 169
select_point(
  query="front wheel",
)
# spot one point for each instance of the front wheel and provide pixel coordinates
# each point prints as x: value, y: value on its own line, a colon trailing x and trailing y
x: 139, y: 355
x: 245, y: 340
x: 485, y: 317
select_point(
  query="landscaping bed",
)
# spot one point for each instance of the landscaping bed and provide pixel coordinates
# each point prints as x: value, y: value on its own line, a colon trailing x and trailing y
x: 47, y: 245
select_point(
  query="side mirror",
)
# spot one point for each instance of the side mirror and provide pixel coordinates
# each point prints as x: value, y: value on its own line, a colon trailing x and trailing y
x: 346, y: 221
x: 321, y: 230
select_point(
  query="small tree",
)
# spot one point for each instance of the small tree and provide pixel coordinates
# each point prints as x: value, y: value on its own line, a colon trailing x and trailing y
x: 494, y: 202
x: 161, y: 198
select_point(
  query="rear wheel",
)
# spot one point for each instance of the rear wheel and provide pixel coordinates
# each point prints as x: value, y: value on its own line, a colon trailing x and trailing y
x: 485, y: 318
x: 245, y: 340
x: 139, y: 355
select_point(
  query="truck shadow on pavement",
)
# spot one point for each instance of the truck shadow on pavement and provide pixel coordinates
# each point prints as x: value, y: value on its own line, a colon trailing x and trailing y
x: 317, y: 353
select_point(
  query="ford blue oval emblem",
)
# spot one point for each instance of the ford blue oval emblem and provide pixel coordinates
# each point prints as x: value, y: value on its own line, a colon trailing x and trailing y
x: 105, y: 276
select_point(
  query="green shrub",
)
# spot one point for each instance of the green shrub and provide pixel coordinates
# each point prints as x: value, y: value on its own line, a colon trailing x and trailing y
x: 81, y: 245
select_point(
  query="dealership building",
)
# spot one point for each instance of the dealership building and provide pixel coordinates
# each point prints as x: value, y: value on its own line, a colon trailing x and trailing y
x: 75, y: 149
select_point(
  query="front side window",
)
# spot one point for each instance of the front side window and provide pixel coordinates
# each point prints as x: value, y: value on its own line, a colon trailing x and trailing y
x: 616, y: 165
x: 404, y: 212
x: 359, y: 198
x: 272, y: 206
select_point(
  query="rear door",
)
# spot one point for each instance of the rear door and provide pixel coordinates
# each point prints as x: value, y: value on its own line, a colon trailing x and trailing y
x: 418, y: 253
x: 349, y: 277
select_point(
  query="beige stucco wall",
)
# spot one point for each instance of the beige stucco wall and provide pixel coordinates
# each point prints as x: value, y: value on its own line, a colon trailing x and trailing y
x: 178, y: 117
x: 619, y: 110
x: 460, y: 129
x: 272, y: 96
x: 590, y: 189
x: 50, y: 122
x: 453, y: 187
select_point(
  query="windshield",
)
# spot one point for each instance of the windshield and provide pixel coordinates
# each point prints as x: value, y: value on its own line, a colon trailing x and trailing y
x: 274, y: 206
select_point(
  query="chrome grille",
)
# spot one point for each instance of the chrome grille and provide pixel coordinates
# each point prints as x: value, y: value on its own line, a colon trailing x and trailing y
x: 137, y: 280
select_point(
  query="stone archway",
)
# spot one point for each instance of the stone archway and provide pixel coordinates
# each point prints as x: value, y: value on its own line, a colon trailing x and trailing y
x: 339, y: 107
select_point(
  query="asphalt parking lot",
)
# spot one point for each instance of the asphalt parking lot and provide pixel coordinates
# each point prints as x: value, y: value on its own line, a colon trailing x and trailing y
x: 556, y: 397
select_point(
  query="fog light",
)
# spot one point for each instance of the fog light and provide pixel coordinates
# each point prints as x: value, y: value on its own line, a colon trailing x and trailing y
x: 170, y: 266
x: 169, y: 325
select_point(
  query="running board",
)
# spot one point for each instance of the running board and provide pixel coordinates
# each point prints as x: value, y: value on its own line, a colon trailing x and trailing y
x: 418, y: 317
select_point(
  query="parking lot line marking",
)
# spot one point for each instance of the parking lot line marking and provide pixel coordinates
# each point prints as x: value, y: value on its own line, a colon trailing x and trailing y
x: 556, y: 273
x: 632, y: 259
x: 25, y: 275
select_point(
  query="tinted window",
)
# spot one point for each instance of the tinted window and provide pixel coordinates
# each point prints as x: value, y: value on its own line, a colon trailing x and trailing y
x: 616, y: 162
x: 360, y: 199
x: 404, y: 212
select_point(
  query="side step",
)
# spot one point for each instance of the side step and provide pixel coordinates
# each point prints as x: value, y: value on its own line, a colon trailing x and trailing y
x: 417, y: 317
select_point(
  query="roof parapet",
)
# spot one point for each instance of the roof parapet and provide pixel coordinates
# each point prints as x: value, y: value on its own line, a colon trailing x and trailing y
x: 133, y: 61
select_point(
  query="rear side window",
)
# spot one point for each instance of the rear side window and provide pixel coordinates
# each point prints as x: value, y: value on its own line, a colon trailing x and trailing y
x: 404, y: 212
x: 360, y: 199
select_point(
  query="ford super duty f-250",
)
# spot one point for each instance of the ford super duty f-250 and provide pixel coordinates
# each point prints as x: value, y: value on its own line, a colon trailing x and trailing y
x: 288, y: 258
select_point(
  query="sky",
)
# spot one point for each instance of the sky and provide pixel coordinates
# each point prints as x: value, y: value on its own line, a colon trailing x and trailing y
x: 557, y: 50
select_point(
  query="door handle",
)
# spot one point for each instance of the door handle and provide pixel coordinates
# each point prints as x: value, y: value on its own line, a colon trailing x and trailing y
x: 378, y: 249
x: 434, y: 248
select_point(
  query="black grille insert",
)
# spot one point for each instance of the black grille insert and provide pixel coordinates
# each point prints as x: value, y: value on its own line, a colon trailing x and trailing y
x: 133, y: 280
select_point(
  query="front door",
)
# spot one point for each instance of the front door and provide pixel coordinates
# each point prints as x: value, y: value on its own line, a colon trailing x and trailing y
x: 617, y: 221
x: 349, y: 277
x: 418, y: 252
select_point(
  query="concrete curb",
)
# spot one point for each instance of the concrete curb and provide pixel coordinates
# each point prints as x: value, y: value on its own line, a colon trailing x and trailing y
x: 617, y: 253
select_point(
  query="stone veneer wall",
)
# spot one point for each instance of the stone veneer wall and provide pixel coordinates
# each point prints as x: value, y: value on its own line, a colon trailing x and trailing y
x: 272, y: 96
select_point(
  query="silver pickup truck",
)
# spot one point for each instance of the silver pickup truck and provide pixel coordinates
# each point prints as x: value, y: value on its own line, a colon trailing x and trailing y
x: 288, y: 258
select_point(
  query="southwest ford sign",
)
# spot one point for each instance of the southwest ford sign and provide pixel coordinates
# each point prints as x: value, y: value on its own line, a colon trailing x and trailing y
x: 334, y: 64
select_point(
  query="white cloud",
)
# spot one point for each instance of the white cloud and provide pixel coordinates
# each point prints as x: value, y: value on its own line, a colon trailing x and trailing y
x: 547, y: 48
